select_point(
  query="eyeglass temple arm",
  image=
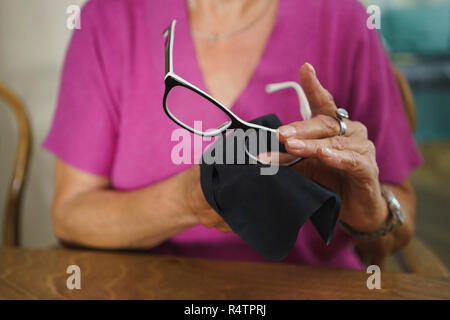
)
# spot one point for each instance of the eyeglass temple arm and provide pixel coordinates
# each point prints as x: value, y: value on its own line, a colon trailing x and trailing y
x: 169, y: 34
x: 305, y: 109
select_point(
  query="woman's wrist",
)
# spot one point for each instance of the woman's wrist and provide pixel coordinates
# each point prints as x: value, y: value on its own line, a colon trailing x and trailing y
x: 173, y: 198
x: 370, y: 225
x: 197, y: 207
x: 375, y: 209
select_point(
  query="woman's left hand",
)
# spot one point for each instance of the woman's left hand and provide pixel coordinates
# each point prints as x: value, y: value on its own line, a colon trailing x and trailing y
x: 345, y: 164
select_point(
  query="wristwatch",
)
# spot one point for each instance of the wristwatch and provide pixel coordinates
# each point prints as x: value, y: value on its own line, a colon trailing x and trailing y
x: 395, y: 218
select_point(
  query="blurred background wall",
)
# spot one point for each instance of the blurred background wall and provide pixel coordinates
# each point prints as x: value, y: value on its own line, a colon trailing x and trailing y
x: 33, y: 40
x: 34, y: 37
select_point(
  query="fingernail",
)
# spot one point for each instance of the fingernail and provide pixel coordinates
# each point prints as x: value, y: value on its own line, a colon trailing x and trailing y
x: 287, y: 131
x: 327, y: 152
x: 311, y: 69
x: 296, y: 144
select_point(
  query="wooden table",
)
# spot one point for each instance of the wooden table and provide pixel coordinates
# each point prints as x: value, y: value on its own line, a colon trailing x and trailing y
x: 41, y: 274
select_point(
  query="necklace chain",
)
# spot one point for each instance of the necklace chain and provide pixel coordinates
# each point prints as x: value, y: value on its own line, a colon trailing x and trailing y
x: 213, y: 37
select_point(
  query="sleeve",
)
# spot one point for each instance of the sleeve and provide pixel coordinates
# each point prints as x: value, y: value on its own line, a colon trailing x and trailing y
x: 375, y: 100
x: 84, y: 129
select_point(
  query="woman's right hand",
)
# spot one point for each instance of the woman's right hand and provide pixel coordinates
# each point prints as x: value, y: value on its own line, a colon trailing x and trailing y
x: 197, y: 204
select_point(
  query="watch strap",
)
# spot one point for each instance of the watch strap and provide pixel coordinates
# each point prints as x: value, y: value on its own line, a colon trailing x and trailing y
x: 395, y: 218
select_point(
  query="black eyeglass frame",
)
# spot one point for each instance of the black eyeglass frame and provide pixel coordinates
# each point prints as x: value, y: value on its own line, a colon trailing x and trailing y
x: 172, y: 80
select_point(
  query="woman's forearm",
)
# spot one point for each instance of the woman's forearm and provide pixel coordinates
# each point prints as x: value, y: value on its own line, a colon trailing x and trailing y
x: 109, y: 219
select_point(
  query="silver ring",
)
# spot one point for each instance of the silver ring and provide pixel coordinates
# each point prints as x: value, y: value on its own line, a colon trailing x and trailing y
x: 342, y: 114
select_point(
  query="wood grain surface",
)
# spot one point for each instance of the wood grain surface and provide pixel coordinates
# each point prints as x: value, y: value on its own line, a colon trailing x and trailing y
x: 41, y: 274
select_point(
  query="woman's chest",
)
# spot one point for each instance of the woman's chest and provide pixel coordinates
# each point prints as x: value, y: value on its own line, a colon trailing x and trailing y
x: 228, y: 63
x: 227, y: 67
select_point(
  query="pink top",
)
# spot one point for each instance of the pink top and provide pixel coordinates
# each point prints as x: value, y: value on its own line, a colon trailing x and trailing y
x: 110, y: 120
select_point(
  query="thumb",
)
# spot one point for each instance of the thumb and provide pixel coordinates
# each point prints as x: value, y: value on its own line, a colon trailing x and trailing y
x: 320, y: 100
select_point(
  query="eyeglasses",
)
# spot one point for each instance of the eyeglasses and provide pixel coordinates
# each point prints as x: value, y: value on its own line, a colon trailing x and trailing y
x: 204, y: 110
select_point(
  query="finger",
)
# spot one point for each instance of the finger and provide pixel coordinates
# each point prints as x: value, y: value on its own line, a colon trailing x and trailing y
x: 310, y: 148
x: 224, y: 228
x: 276, y: 158
x: 209, y: 218
x: 320, y: 127
x: 320, y: 100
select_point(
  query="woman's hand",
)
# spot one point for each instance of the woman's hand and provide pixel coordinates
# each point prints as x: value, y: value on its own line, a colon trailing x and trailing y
x: 198, y: 206
x: 345, y: 164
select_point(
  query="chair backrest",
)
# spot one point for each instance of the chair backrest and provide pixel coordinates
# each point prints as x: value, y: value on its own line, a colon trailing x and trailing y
x: 12, y: 212
x: 407, y: 97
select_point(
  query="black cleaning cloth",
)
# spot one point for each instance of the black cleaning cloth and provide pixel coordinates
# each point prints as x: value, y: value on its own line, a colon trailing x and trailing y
x: 267, y: 211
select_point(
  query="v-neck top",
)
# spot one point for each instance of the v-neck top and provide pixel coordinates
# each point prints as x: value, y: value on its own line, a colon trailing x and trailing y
x: 110, y: 120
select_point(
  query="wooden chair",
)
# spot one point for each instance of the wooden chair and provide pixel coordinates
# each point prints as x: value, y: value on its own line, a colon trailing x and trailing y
x: 416, y: 257
x: 407, y: 97
x: 11, y: 231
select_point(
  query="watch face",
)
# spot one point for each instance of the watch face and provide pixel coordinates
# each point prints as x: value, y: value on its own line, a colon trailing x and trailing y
x: 395, y: 205
x: 397, y: 210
